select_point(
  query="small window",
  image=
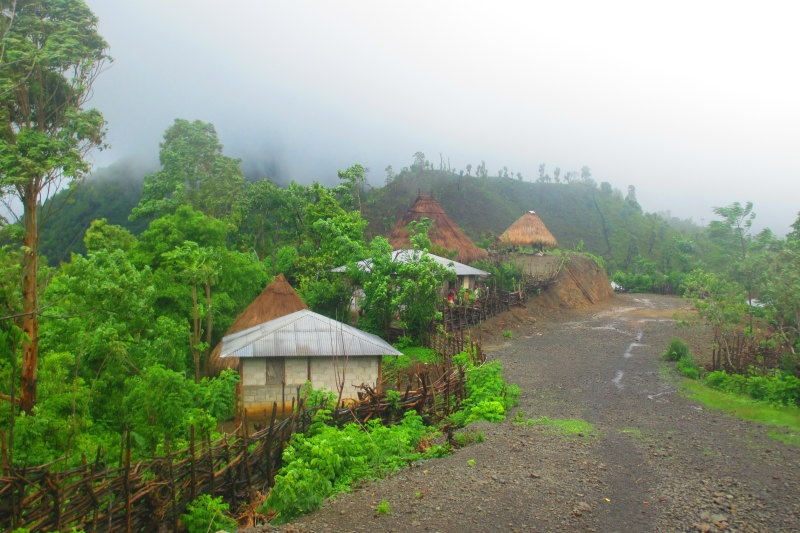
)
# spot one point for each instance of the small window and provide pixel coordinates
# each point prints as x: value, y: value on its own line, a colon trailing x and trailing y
x: 274, y: 371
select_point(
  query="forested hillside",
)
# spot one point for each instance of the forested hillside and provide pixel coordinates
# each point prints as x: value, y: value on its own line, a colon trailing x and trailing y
x: 580, y: 213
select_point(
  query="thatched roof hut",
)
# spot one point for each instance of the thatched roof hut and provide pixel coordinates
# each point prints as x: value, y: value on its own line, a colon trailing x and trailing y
x: 529, y: 230
x: 444, y: 234
x: 276, y: 300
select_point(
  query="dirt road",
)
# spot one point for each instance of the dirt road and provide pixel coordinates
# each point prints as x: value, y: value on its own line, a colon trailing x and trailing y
x: 655, y: 461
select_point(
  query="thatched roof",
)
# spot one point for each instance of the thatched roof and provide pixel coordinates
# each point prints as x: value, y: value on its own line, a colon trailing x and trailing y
x: 304, y: 334
x: 444, y: 234
x: 529, y: 230
x: 276, y: 300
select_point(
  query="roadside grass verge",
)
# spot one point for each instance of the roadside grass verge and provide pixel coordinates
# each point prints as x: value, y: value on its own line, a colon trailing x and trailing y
x: 785, y: 419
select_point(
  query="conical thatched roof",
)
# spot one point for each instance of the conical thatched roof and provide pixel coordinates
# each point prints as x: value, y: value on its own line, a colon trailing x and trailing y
x: 276, y: 300
x: 529, y: 230
x: 444, y: 233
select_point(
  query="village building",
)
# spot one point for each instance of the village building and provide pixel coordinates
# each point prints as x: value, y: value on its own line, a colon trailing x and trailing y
x: 529, y: 231
x: 444, y: 234
x: 277, y: 357
x: 467, y: 277
x: 276, y: 300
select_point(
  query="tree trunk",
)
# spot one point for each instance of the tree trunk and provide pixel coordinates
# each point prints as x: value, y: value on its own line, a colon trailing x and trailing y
x: 30, y: 301
x: 196, y: 333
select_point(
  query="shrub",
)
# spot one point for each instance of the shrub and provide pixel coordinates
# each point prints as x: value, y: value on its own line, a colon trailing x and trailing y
x: 488, y: 395
x: 687, y: 367
x: 207, y: 513
x: 327, y: 460
x: 676, y: 350
x: 383, y: 507
x: 780, y: 389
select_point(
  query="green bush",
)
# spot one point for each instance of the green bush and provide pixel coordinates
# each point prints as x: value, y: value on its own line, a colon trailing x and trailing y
x: 488, y: 395
x: 327, y: 460
x: 687, y: 367
x: 207, y: 513
x: 779, y: 389
x: 676, y: 350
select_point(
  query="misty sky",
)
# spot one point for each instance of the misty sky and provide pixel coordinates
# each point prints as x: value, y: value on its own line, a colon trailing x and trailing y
x: 694, y: 103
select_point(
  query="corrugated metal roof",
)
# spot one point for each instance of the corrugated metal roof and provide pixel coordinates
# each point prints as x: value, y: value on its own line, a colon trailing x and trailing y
x: 405, y: 256
x: 304, y: 334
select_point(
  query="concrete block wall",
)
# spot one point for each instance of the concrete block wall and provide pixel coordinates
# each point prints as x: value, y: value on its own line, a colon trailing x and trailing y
x: 357, y: 370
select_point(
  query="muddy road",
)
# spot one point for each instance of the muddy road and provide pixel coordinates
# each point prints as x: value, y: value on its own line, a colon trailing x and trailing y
x: 655, y: 461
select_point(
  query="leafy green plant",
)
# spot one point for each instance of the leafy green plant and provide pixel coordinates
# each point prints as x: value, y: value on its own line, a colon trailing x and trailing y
x: 488, y: 395
x: 207, y: 513
x: 467, y: 437
x: 688, y: 367
x: 383, y: 507
x: 508, y: 334
x: 327, y: 460
x: 779, y: 389
x: 470, y: 462
x: 676, y: 350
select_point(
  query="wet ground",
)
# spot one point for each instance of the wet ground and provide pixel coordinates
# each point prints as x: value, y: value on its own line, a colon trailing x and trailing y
x: 655, y: 461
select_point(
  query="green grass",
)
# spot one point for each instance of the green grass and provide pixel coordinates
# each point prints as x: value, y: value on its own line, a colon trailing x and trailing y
x: 569, y: 427
x: 786, y: 420
x: 634, y: 432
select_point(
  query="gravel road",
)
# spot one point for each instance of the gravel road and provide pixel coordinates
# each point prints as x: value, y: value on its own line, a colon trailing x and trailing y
x: 655, y: 461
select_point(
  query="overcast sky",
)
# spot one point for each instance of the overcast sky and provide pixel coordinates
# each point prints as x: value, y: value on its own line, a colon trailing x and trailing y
x: 695, y: 103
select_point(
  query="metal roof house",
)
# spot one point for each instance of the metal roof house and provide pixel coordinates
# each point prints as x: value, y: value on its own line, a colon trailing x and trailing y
x: 467, y: 275
x: 281, y: 355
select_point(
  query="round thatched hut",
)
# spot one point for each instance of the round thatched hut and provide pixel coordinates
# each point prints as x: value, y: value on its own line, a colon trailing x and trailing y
x: 444, y: 233
x: 276, y: 300
x: 529, y: 230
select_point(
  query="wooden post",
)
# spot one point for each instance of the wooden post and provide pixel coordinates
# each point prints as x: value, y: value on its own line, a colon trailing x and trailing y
x: 171, y: 474
x: 127, y: 483
x: 268, y: 447
x: 192, y: 473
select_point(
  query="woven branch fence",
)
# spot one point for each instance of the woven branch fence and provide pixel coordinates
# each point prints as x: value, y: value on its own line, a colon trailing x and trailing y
x: 151, y: 495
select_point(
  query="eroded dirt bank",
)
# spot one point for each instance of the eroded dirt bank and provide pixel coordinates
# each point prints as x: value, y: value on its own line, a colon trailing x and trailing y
x: 656, y: 462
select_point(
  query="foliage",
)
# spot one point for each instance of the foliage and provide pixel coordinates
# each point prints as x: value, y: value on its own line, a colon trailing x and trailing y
x: 193, y: 173
x: 488, y: 395
x: 407, y: 288
x: 383, y: 507
x: 207, y: 513
x: 50, y: 54
x: 504, y: 275
x: 676, y: 350
x: 467, y: 437
x: 327, y: 460
x: 164, y: 404
x: 778, y: 389
x: 785, y: 419
x: 687, y: 367
x: 107, y: 194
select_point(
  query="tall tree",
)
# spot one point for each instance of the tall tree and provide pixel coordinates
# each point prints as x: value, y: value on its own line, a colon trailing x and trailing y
x: 354, y: 180
x: 193, y: 172
x: 50, y: 55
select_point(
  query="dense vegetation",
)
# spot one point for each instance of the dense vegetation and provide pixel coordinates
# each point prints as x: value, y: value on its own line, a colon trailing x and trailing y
x: 146, y: 273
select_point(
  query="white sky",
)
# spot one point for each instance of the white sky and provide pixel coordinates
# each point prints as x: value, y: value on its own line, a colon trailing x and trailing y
x: 695, y: 103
